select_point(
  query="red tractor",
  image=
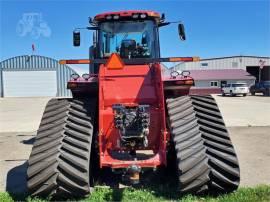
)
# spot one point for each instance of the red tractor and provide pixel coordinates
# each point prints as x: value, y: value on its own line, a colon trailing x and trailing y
x: 125, y: 116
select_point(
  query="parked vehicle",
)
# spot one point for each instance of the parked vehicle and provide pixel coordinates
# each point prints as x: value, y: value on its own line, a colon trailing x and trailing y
x: 235, y: 89
x: 261, y: 87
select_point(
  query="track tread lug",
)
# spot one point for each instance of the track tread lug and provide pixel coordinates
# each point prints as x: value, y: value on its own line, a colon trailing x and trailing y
x: 60, y: 159
x: 205, y: 155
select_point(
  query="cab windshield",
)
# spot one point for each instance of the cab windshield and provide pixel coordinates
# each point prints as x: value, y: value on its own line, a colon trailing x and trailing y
x: 129, y: 39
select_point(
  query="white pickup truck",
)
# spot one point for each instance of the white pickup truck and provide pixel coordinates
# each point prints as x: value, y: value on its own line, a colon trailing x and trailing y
x: 235, y: 89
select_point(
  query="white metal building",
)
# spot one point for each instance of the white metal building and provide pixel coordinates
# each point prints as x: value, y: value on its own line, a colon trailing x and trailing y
x: 33, y: 76
x: 233, y: 62
x: 251, y: 64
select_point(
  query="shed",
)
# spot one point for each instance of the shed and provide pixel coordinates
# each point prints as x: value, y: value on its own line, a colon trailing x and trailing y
x: 34, y: 76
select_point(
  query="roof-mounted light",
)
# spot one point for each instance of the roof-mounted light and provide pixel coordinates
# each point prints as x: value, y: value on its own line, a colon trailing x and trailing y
x: 74, y: 76
x: 135, y: 16
x: 116, y: 17
x: 143, y: 15
x: 108, y: 17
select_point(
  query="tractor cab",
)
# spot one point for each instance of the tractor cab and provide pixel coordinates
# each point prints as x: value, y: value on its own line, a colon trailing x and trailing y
x: 130, y: 34
x: 133, y: 35
x: 129, y: 39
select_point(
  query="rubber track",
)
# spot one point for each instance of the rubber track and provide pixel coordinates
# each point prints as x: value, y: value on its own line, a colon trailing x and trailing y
x: 225, y: 172
x: 59, y: 164
x: 191, y: 157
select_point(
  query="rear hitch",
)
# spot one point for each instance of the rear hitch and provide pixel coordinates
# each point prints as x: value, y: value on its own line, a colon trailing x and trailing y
x: 133, y: 125
x: 132, y: 175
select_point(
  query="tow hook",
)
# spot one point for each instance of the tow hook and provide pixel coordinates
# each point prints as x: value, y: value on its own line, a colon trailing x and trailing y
x: 132, y: 174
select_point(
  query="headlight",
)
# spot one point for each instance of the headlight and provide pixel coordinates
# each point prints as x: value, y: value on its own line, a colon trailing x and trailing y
x: 86, y: 76
x: 75, y: 76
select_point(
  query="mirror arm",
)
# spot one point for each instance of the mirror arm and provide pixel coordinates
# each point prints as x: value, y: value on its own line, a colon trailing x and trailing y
x: 92, y: 28
x: 88, y: 28
x: 163, y: 24
x: 168, y: 23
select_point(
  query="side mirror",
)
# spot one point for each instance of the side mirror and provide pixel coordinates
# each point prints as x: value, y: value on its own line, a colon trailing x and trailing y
x: 144, y: 41
x: 181, y: 32
x: 94, y: 39
x: 76, y: 38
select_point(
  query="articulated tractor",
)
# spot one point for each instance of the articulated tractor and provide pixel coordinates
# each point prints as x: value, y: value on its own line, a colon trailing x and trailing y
x: 126, y: 116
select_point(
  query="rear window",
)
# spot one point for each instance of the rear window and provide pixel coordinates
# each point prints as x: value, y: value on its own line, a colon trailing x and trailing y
x: 239, y: 85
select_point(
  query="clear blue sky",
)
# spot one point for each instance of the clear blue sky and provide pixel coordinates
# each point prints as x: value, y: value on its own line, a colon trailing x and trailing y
x: 213, y: 28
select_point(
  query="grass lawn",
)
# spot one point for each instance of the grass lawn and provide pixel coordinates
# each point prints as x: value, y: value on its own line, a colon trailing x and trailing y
x: 260, y: 193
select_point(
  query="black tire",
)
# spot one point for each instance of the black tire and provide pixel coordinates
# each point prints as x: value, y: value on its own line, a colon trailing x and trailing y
x: 59, y: 164
x: 225, y: 172
x: 267, y: 92
x: 191, y: 158
x: 244, y: 95
x: 223, y: 94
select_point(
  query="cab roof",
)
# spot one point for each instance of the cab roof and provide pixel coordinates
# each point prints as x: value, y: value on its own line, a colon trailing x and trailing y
x: 127, y: 14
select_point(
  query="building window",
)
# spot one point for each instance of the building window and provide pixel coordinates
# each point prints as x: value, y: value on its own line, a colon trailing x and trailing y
x: 214, y: 83
x: 204, y: 64
x: 223, y: 83
x: 234, y: 64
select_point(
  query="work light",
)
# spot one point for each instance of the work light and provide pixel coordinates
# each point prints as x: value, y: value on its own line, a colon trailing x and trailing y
x: 135, y: 16
x: 108, y: 17
x: 74, y: 76
x: 116, y: 17
x: 86, y: 76
x: 174, y: 74
x: 143, y: 15
x: 185, y: 73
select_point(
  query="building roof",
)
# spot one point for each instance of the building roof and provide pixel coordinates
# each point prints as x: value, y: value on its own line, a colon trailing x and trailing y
x: 237, y: 56
x: 221, y: 74
x: 32, y: 62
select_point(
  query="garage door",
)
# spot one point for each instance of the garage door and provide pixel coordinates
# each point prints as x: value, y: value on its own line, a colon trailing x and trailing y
x: 29, y: 83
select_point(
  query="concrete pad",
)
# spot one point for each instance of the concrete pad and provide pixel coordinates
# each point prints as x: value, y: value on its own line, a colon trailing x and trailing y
x: 251, y: 143
x: 21, y: 114
x: 252, y: 147
x: 244, y: 111
x: 15, y: 149
x: 24, y: 114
